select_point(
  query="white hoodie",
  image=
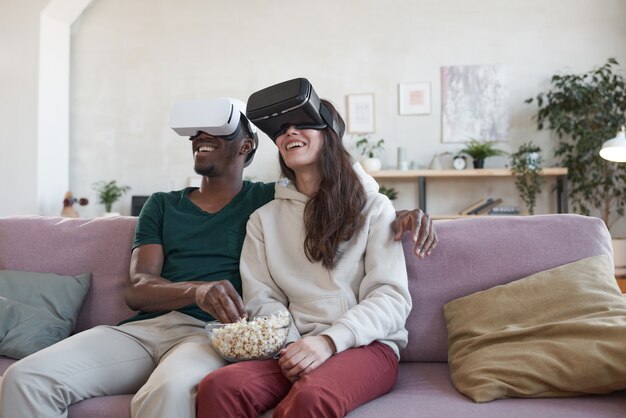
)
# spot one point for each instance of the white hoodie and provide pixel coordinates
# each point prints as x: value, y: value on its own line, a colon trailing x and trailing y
x: 363, y: 299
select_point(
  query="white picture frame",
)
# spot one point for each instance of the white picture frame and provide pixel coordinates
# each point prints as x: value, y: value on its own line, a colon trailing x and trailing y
x: 414, y: 98
x: 360, y: 113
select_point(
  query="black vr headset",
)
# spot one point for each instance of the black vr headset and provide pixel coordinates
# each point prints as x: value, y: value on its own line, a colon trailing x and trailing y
x: 292, y: 102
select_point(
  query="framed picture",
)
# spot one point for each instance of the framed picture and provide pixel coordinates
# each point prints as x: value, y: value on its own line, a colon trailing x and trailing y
x: 474, y: 103
x: 414, y: 98
x: 360, y: 113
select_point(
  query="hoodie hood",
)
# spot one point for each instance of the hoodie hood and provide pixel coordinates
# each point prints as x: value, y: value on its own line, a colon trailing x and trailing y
x: 286, y: 189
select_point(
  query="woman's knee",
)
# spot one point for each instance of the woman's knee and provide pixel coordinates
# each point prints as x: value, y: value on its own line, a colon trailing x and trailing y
x: 221, y: 380
x: 310, y: 401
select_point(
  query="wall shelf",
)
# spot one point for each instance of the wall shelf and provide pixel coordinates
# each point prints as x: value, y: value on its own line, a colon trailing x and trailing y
x: 560, y: 173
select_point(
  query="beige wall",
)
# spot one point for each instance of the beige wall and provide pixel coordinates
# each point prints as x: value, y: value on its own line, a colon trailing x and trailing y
x: 132, y: 59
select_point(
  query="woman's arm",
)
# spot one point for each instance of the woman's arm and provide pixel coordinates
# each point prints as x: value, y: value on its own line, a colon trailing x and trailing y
x: 384, y: 301
x: 261, y: 294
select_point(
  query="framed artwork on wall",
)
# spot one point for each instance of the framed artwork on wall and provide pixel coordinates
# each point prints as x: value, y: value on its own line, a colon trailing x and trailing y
x: 474, y: 103
x: 360, y: 113
x: 414, y: 98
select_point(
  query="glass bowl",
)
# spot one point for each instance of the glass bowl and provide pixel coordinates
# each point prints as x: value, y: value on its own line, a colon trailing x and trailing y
x: 260, y: 338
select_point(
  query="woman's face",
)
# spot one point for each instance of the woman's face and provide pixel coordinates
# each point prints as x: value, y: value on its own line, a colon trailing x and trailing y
x: 300, y: 148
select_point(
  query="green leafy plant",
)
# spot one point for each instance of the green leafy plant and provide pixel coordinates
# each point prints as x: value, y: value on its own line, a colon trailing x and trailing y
x: 481, y: 150
x: 526, y: 165
x: 109, y: 192
x: 370, y: 150
x: 390, y: 192
x: 584, y: 110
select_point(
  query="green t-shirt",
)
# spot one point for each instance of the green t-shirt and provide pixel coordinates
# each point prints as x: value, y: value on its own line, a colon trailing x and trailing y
x: 197, y: 245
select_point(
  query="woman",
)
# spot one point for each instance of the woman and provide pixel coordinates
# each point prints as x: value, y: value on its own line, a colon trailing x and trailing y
x: 323, y: 250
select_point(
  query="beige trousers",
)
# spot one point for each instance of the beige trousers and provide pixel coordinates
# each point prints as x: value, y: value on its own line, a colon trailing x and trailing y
x: 162, y: 360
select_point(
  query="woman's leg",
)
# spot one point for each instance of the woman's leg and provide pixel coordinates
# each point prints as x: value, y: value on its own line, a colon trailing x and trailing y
x: 245, y: 389
x: 344, y: 382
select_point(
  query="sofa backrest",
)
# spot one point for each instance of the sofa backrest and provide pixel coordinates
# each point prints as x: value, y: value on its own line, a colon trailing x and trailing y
x: 70, y: 247
x: 475, y: 254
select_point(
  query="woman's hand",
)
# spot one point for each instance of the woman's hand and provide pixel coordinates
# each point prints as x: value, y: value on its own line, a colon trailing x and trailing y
x: 421, y: 227
x: 305, y: 355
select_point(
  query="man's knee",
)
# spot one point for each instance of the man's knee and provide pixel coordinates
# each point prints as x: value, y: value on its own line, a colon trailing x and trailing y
x: 20, y: 375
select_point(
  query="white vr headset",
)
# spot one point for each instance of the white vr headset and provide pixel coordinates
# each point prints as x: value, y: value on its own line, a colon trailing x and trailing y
x: 218, y: 117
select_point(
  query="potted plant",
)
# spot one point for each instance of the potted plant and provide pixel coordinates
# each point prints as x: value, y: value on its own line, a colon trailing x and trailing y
x: 526, y: 166
x: 390, y: 192
x: 479, y: 151
x: 584, y: 110
x: 109, y: 193
x: 370, y: 151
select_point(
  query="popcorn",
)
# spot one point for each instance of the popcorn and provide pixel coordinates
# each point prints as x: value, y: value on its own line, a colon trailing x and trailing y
x: 260, y: 338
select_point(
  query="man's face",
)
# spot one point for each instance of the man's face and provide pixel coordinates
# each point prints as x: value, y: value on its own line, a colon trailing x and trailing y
x: 214, y: 155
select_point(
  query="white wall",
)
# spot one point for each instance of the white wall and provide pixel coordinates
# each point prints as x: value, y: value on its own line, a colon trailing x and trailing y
x: 19, y: 39
x: 132, y: 59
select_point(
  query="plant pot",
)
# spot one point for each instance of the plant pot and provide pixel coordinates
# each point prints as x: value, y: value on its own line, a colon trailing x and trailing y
x: 479, y: 162
x: 371, y: 164
x: 619, y: 256
x: 532, y: 159
x: 110, y: 214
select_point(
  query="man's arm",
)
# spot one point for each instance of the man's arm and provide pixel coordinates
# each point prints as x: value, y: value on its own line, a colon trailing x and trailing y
x: 421, y: 227
x: 147, y: 291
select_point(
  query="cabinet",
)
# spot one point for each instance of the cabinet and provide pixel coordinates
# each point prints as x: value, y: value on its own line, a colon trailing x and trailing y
x: 421, y: 176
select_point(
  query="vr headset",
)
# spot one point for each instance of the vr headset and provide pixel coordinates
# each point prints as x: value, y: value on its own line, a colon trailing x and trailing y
x: 217, y: 117
x: 292, y: 102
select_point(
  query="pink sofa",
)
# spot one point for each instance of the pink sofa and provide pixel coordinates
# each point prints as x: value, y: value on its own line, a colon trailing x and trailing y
x: 473, y: 254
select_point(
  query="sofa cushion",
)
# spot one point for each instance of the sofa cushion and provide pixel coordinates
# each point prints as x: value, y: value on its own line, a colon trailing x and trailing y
x: 560, y: 332
x: 478, y: 253
x: 71, y: 246
x: 38, y: 309
x: 424, y: 389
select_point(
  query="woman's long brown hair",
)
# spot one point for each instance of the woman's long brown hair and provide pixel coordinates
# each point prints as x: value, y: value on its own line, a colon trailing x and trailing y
x: 333, y: 215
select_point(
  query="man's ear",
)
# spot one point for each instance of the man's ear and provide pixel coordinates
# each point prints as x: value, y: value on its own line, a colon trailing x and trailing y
x: 247, y: 146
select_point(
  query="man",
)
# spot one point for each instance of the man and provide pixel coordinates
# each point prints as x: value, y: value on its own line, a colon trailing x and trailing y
x: 184, y: 271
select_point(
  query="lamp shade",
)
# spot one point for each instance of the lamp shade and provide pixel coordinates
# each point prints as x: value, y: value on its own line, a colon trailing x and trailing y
x: 615, y: 149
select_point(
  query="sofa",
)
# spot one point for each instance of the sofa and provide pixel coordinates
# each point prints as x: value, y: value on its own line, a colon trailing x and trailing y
x: 473, y: 254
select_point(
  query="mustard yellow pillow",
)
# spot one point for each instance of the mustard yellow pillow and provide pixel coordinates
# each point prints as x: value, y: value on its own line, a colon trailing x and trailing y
x: 560, y: 332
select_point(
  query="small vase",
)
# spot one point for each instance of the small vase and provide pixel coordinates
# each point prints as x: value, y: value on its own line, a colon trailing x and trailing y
x: 479, y: 163
x: 371, y: 164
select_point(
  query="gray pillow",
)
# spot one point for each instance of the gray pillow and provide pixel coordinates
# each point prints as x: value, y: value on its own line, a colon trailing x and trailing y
x: 38, y: 309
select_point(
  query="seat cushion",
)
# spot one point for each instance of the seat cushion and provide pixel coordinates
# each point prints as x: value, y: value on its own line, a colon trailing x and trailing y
x: 425, y: 390
x: 103, y: 407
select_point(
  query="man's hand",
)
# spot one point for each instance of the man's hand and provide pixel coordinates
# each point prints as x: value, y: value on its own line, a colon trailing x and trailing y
x: 421, y: 227
x: 221, y: 300
x: 305, y: 355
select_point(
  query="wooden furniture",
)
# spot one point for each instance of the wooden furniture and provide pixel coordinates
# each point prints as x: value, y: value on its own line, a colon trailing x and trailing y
x: 422, y: 175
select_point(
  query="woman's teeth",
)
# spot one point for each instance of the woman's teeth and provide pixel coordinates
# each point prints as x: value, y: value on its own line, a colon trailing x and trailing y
x: 295, y: 145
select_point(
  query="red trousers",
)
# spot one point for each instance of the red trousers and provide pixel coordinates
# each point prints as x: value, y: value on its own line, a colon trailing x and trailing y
x: 345, y: 381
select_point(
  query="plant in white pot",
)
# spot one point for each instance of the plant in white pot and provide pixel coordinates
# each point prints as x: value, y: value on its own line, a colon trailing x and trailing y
x: 370, y: 151
x: 109, y: 193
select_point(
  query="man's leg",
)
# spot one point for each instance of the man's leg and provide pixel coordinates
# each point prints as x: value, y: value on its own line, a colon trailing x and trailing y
x: 97, y: 362
x: 186, y: 357
x: 344, y: 382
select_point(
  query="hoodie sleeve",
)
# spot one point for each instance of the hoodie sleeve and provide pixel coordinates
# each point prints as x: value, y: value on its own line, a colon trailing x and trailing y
x: 384, y: 301
x: 261, y: 294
